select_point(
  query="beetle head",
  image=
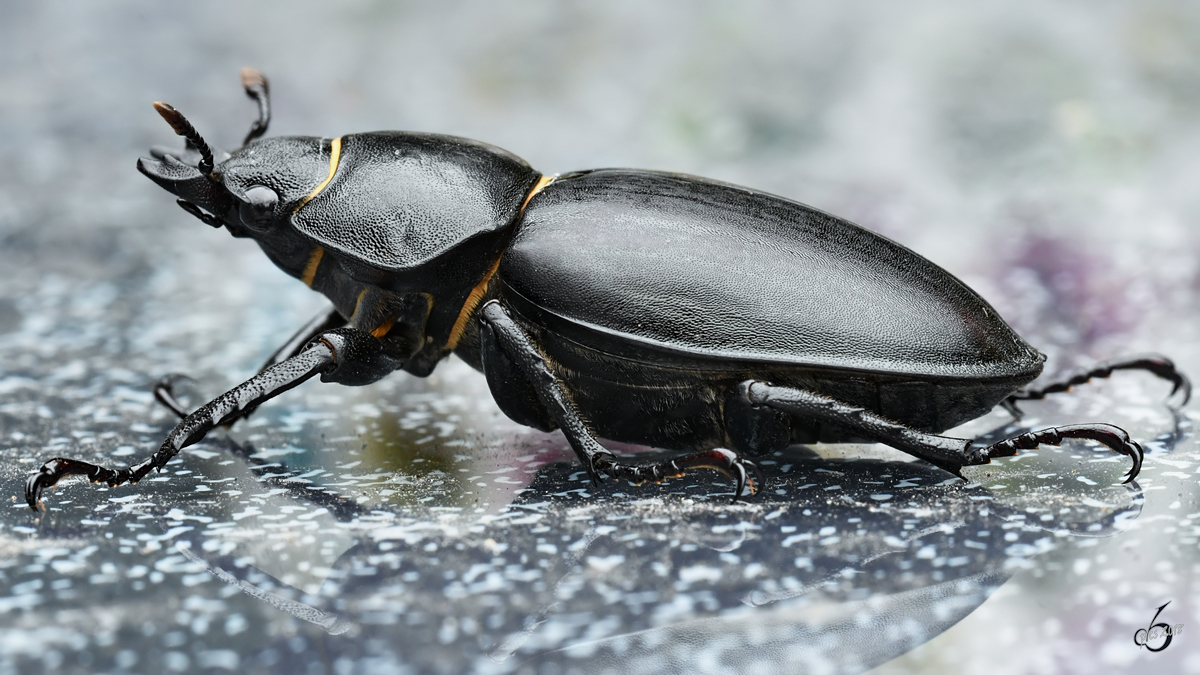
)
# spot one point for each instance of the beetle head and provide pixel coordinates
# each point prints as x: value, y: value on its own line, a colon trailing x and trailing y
x: 252, y: 191
x: 188, y: 174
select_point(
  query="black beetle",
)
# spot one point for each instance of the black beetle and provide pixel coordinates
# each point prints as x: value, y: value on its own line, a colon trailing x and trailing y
x: 650, y: 308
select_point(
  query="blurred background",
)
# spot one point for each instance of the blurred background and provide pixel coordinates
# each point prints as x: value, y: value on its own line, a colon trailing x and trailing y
x: 1044, y: 152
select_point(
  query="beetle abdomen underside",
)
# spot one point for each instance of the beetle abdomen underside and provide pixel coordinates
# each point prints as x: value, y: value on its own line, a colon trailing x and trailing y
x: 710, y: 271
x: 688, y: 415
x: 672, y: 404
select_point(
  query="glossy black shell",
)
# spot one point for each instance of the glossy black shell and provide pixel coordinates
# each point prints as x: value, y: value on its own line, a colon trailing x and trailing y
x: 678, y: 271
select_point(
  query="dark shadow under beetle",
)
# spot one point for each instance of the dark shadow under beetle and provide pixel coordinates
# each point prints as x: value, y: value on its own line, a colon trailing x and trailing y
x: 841, y: 552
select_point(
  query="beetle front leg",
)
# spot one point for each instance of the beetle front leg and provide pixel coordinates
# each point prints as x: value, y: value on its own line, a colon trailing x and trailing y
x: 328, y: 319
x: 346, y: 355
x: 528, y: 360
x: 950, y: 454
x: 1157, y: 364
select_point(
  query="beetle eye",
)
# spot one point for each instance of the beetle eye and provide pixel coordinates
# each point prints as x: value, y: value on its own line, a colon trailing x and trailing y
x: 259, y: 207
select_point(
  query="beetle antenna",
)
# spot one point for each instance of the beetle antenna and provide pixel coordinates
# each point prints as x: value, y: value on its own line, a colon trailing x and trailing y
x: 257, y: 88
x: 184, y: 128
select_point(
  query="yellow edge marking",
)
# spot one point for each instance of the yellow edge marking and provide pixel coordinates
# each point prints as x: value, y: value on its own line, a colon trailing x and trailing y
x: 460, y: 324
x: 541, y: 185
x: 476, y: 294
x: 310, y: 268
x: 358, y: 303
x: 335, y: 156
x: 383, y: 328
x: 380, y: 330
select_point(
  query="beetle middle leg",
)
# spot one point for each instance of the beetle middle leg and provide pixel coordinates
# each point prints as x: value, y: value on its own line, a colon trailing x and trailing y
x: 1154, y: 363
x: 557, y: 408
x: 950, y: 454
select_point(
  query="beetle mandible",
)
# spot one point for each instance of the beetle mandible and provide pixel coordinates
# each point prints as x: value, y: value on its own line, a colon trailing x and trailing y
x: 651, y: 308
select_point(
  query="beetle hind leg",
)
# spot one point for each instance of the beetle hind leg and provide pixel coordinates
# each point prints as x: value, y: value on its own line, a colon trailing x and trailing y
x: 1156, y: 364
x: 950, y: 454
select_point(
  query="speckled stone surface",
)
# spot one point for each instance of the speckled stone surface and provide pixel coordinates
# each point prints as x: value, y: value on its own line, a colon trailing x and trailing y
x: 1046, y: 153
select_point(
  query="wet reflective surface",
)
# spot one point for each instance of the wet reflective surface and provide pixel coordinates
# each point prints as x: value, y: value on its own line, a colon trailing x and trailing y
x: 1046, y: 157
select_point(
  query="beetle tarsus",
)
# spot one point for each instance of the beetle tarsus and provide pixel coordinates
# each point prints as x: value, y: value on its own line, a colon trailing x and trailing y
x: 60, y: 467
x: 1156, y: 364
x: 1112, y: 436
x: 744, y: 472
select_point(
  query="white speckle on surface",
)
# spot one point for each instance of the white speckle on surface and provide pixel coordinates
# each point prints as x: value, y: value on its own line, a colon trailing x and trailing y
x: 605, y: 564
x: 796, y: 538
x: 226, y: 659
x: 695, y: 574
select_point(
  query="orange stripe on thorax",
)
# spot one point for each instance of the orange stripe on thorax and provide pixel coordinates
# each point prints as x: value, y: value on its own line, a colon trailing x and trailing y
x: 310, y: 268
x: 314, y: 258
x: 335, y: 156
x: 476, y: 294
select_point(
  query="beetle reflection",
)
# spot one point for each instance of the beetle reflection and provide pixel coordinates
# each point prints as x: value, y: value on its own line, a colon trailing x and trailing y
x: 876, y: 554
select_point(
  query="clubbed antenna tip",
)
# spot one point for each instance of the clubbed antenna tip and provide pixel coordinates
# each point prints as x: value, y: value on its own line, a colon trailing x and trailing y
x: 184, y: 128
x: 252, y: 78
x: 259, y: 90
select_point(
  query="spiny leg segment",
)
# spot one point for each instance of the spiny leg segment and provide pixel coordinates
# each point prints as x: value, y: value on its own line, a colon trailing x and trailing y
x: 946, y: 452
x: 327, y: 320
x: 1157, y: 364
